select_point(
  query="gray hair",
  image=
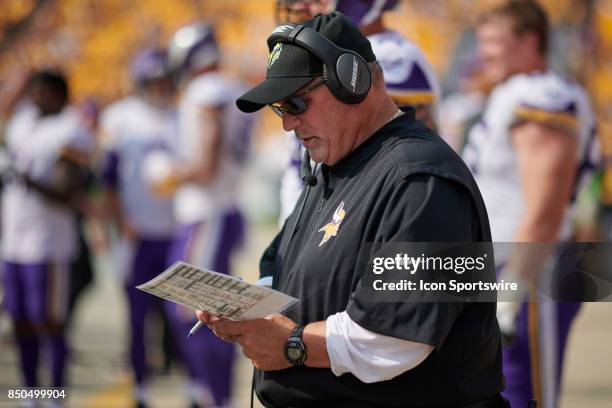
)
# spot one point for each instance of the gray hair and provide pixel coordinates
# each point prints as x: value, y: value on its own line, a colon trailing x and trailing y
x: 377, y: 74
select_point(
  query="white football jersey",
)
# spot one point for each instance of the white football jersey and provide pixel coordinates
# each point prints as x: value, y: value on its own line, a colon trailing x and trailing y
x: 196, y: 202
x: 34, y: 229
x: 136, y: 133
x: 409, y: 79
x: 539, y: 96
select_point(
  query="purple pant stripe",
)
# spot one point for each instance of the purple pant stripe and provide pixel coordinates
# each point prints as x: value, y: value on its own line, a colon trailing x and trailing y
x: 149, y: 261
x: 30, y: 302
x: 208, y: 359
x: 180, y: 244
x: 232, y: 237
x: 27, y: 291
x: 516, y: 356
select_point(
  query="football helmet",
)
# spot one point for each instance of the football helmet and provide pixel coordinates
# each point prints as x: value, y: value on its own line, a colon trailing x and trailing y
x: 193, y: 47
x: 149, y: 65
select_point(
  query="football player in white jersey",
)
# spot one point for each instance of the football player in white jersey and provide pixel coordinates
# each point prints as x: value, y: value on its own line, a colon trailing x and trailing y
x: 410, y: 79
x: 49, y: 149
x: 530, y: 152
x: 214, y: 143
x: 140, y: 133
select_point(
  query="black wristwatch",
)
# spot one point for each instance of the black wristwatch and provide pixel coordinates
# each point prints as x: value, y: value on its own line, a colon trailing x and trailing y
x: 295, y: 349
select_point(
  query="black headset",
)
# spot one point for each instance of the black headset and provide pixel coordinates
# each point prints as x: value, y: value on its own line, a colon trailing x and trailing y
x: 347, y: 73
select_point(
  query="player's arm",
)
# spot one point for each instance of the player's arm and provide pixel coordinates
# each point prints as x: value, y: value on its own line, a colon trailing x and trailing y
x: 70, y: 180
x: 111, y: 197
x: 115, y: 213
x: 546, y: 157
x: 211, y: 131
x: 546, y: 161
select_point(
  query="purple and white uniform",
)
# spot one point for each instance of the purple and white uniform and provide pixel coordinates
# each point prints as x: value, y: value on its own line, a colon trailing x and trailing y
x: 546, y: 98
x: 139, y: 138
x: 211, y: 226
x: 409, y: 79
x: 40, y: 238
x: 542, y: 97
x: 137, y: 134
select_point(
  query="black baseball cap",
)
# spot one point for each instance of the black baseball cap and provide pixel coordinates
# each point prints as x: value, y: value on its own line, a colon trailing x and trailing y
x: 291, y: 67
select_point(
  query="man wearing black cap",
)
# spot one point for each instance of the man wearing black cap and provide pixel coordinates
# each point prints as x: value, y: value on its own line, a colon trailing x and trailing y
x: 385, y: 178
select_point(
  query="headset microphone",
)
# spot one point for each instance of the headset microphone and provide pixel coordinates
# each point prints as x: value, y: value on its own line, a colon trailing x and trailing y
x: 307, y: 177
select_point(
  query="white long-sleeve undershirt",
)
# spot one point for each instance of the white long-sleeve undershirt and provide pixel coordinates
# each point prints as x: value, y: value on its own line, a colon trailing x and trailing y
x: 369, y: 356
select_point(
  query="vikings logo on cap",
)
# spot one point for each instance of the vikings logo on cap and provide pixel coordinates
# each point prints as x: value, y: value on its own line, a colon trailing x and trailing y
x: 275, y: 54
x: 331, y: 229
x: 281, y: 28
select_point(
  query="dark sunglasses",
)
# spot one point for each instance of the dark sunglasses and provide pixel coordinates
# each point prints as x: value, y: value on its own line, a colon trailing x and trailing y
x: 295, y: 105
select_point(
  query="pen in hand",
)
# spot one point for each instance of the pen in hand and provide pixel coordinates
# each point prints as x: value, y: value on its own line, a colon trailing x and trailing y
x: 195, y: 328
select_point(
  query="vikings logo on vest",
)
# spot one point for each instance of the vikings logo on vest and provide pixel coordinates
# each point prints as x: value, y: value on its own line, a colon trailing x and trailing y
x: 331, y: 229
x: 275, y: 54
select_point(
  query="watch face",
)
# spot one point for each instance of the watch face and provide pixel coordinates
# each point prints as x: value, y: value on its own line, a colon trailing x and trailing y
x: 293, y: 352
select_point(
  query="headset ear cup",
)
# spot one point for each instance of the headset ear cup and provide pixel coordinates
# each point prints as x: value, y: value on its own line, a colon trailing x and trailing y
x: 334, y: 86
x: 354, y: 77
